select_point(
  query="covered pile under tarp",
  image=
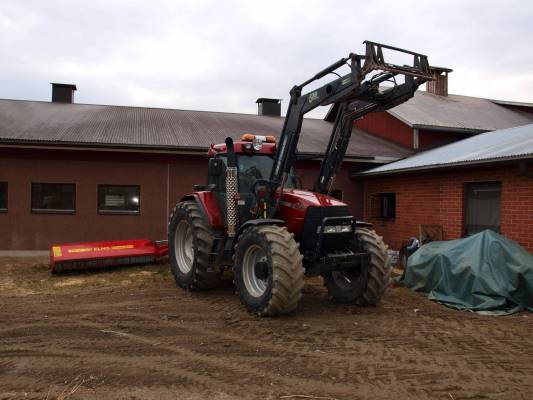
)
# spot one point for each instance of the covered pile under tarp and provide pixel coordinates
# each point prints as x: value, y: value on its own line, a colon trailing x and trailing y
x: 485, y: 272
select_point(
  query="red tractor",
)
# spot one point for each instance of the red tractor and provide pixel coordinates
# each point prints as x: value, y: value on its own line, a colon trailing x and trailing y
x: 251, y: 217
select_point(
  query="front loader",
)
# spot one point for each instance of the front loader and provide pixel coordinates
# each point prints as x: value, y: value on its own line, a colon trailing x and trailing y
x: 252, y: 217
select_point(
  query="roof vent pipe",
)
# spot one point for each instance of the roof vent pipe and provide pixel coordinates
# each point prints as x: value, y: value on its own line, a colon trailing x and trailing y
x: 63, y: 92
x: 269, y: 107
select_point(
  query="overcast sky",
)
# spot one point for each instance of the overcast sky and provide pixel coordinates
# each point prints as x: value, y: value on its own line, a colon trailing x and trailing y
x: 223, y: 55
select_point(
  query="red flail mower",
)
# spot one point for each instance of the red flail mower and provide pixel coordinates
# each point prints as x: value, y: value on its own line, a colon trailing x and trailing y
x: 75, y: 256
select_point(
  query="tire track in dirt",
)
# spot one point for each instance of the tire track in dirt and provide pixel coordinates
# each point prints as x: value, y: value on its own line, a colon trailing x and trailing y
x: 322, y: 361
x: 179, y: 370
x: 205, y: 343
x: 237, y: 369
x: 417, y: 364
x: 239, y: 373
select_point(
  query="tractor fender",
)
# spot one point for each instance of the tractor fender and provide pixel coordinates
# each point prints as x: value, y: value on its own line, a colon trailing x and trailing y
x: 208, y: 207
x: 363, y: 224
x: 261, y: 221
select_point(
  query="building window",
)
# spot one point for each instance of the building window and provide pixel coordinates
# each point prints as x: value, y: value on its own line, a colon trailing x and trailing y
x: 3, y: 196
x: 482, y: 207
x: 53, y: 197
x: 119, y: 199
x: 384, y: 205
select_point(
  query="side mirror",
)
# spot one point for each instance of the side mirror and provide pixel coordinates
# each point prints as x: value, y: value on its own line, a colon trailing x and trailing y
x: 215, y: 167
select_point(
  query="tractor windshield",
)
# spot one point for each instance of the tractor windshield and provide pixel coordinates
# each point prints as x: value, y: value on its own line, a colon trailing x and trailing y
x: 253, y: 167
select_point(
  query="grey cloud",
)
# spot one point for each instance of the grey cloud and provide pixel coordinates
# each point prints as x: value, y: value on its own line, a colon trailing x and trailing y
x: 223, y: 55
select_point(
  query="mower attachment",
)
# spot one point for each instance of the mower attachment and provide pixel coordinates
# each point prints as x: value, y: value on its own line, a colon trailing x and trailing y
x: 75, y: 256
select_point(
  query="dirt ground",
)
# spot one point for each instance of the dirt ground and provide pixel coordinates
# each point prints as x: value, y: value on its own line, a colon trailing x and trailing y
x: 131, y: 334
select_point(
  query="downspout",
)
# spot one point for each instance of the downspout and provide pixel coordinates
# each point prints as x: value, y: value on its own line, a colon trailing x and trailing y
x: 168, y: 192
x: 524, y: 170
x: 415, y: 139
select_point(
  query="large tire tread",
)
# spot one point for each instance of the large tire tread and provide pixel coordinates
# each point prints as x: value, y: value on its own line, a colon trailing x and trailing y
x: 287, y: 268
x: 204, y: 276
x: 370, y: 285
x: 380, y: 269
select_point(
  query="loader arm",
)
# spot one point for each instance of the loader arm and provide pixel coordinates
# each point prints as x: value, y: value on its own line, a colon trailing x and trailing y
x: 356, y: 93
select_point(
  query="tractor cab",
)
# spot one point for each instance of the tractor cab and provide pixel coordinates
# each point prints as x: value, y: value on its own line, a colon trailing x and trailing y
x: 254, y: 156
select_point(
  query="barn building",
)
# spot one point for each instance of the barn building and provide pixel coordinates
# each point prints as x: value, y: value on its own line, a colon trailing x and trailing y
x: 77, y: 172
x: 433, y: 117
x: 483, y: 182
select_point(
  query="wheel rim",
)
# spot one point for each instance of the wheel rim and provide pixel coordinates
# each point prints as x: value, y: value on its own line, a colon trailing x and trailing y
x: 254, y: 285
x: 183, y: 245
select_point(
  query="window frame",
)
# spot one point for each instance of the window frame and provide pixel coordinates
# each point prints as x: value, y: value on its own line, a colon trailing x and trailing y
x: 466, y: 186
x: 5, y: 210
x: 379, y: 213
x: 53, y: 210
x: 116, y: 212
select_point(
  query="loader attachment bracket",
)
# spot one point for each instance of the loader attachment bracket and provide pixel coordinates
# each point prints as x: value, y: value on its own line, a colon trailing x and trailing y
x: 375, y: 60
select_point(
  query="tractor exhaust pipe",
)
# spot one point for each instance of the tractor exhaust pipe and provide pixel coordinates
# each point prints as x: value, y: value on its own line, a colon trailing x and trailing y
x: 232, y: 189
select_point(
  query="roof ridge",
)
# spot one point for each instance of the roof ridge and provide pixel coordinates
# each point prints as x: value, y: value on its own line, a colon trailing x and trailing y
x: 151, y: 108
x: 501, y: 144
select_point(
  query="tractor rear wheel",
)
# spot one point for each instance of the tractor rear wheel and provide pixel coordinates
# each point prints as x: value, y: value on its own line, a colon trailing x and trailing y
x: 268, y: 270
x: 190, y: 241
x: 366, y: 285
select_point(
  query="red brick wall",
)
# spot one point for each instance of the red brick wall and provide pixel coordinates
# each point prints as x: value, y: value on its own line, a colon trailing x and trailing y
x: 20, y: 229
x: 163, y: 179
x: 384, y: 125
x: 438, y: 198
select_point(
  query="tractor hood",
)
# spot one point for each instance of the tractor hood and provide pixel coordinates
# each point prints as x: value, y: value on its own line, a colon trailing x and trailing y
x: 301, y: 199
x: 295, y: 203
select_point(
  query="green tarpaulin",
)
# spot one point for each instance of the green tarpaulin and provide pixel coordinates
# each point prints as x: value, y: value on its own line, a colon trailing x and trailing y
x: 485, y: 272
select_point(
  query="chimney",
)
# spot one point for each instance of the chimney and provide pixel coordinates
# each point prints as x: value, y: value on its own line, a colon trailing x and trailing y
x: 269, y: 107
x: 63, y: 92
x: 440, y: 85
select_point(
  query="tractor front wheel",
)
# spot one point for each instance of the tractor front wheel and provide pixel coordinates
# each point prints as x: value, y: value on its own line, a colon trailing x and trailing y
x: 367, y: 284
x: 190, y: 241
x: 268, y: 270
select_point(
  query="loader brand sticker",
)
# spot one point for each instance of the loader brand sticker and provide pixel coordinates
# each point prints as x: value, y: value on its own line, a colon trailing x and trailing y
x: 313, y: 96
x: 345, y: 81
x: 57, y: 251
x: 102, y: 248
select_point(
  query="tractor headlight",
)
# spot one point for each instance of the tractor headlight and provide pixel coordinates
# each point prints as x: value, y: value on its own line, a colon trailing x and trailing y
x: 257, y: 143
x: 346, y: 228
x: 336, y: 229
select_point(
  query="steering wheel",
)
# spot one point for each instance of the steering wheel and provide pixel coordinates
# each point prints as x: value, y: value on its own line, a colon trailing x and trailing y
x: 258, y: 182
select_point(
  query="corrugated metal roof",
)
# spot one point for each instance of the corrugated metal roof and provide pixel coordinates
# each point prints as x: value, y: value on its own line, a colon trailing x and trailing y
x: 459, y: 113
x: 501, y: 145
x: 512, y: 103
x: 97, y: 125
